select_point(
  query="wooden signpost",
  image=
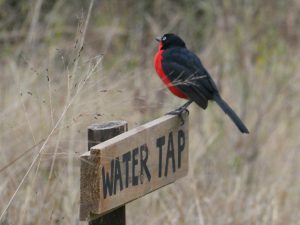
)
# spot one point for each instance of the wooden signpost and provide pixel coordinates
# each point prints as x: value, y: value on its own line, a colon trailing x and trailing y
x: 133, y: 164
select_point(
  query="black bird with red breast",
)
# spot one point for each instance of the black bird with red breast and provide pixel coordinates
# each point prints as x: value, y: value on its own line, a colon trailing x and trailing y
x: 185, y: 76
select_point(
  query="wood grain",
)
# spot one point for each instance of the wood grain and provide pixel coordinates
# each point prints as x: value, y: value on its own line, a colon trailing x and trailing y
x: 134, y: 164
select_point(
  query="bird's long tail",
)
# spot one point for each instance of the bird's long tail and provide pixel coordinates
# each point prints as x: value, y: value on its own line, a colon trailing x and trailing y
x: 226, y: 108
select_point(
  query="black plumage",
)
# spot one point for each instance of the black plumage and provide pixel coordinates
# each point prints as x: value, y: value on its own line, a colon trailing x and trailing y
x: 186, y: 72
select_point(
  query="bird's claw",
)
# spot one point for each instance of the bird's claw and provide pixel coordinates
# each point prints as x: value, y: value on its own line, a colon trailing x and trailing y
x: 179, y: 113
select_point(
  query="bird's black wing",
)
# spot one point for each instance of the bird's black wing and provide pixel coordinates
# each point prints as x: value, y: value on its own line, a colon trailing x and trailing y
x: 186, y: 72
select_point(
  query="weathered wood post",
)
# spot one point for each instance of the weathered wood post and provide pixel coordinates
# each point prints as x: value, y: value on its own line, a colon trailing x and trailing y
x: 98, y: 133
x: 125, y: 167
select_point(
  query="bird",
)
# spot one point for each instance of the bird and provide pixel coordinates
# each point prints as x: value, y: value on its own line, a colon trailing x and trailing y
x: 184, y: 75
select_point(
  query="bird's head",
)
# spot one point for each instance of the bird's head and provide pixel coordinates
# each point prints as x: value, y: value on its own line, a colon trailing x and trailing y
x: 170, y: 41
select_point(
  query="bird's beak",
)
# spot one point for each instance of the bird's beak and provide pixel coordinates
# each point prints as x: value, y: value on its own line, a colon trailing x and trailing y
x: 158, y: 39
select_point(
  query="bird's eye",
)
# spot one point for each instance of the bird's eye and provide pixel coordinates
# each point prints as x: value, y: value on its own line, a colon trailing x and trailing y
x: 164, y: 38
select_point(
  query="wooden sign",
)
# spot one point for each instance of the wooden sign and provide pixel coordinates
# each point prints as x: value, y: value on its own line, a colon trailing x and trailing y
x: 133, y: 164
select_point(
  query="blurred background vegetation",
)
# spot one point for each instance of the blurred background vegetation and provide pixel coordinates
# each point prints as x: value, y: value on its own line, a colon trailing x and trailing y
x: 67, y: 64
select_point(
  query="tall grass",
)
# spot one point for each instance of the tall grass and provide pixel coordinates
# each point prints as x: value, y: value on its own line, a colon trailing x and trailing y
x: 64, y: 67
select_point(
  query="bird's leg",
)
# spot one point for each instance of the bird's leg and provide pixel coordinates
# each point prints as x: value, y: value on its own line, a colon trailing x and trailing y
x: 180, y: 110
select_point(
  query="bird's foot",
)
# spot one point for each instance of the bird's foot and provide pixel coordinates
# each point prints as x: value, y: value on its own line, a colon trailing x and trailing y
x: 179, y: 112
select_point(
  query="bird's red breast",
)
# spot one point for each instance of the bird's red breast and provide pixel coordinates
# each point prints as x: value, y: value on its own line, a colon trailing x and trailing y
x: 159, y: 70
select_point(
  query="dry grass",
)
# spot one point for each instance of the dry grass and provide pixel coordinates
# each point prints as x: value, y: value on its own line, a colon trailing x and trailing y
x: 52, y: 89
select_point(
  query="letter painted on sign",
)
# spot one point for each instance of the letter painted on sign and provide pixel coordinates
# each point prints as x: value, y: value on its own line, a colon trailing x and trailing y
x: 108, y: 181
x: 118, y: 175
x: 143, y: 159
x: 126, y: 159
x: 135, y: 178
x: 159, y: 143
x: 170, y: 154
x: 181, y: 144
